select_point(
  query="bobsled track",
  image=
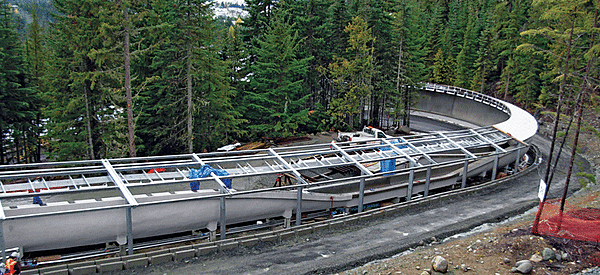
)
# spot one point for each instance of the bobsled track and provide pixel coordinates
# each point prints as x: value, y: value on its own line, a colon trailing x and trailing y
x: 119, y: 201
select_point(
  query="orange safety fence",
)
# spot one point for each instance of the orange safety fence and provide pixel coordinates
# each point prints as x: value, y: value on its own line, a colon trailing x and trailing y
x: 573, y: 223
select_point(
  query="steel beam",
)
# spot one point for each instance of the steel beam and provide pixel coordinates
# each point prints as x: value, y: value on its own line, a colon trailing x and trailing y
x: 350, y: 159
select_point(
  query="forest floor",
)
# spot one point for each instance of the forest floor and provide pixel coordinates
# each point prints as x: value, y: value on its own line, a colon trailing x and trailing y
x: 497, y: 249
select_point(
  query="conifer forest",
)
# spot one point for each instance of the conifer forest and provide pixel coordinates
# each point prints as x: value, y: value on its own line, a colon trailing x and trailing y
x: 90, y: 79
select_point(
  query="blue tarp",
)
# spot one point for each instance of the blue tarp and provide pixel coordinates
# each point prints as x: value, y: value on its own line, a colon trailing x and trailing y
x: 389, y: 165
x: 37, y: 200
x: 204, y: 172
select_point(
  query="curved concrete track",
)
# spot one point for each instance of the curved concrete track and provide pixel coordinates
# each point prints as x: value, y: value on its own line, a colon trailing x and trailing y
x: 342, y: 243
x: 363, y: 240
x: 330, y: 251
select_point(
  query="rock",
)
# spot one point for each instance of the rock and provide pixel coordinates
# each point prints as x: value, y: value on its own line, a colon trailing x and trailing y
x: 536, y: 258
x: 425, y: 272
x: 439, y: 264
x: 464, y: 267
x: 564, y: 256
x: 523, y: 267
x: 548, y: 254
x: 506, y: 260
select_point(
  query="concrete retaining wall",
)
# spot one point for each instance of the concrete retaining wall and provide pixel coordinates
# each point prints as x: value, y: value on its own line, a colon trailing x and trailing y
x: 460, y: 108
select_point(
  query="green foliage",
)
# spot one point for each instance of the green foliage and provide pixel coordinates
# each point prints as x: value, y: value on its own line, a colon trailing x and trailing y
x: 290, y: 67
x: 586, y: 178
x: 352, y: 77
x: 275, y: 102
x: 18, y: 100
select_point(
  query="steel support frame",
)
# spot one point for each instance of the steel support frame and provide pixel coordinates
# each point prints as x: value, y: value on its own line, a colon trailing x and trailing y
x: 222, y: 202
x: 301, y: 181
x: 128, y: 197
x: 498, y: 151
x: 467, y: 155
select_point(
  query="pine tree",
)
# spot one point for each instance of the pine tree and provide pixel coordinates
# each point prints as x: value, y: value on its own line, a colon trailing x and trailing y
x: 565, y: 20
x: 352, y: 77
x: 275, y: 105
x: 410, y: 71
x: 17, y: 98
x: 508, y: 17
x: 37, y: 55
x: 78, y: 95
x: 467, y: 56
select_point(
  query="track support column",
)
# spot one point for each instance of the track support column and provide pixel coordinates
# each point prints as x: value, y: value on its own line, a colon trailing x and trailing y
x: 495, y: 168
x: 517, y: 159
x: 464, y: 176
x: 411, y: 178
x: 223, y: 219
x: 427, y: 181
x: 129, y: 231
x: 361, y: 195
x: 299, y: 206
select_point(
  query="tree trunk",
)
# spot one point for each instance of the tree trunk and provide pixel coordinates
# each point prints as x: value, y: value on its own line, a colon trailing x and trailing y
x: 1, y: 145
x: 38, y: 151
x: 126, y: 53
x: 189, y: 102
x: 482, y: 79
x: 534, y: 228
x: 88, y: 118
x: 18, y: 148
x: 573, y: 153
x: 506, y: 87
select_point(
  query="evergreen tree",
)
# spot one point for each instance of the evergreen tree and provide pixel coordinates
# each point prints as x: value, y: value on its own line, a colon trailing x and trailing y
x: 410, y: 48
x: 311, y: 21
x: 17, y: 98
x: 352, y: 77
x: 508, y: 17
x: 275, y: 103
x: 37, y: 56
x: 467, y: 56
x: 79, y: 106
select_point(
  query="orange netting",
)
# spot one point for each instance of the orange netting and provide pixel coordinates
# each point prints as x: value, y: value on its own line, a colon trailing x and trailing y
x: 573, y: 223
